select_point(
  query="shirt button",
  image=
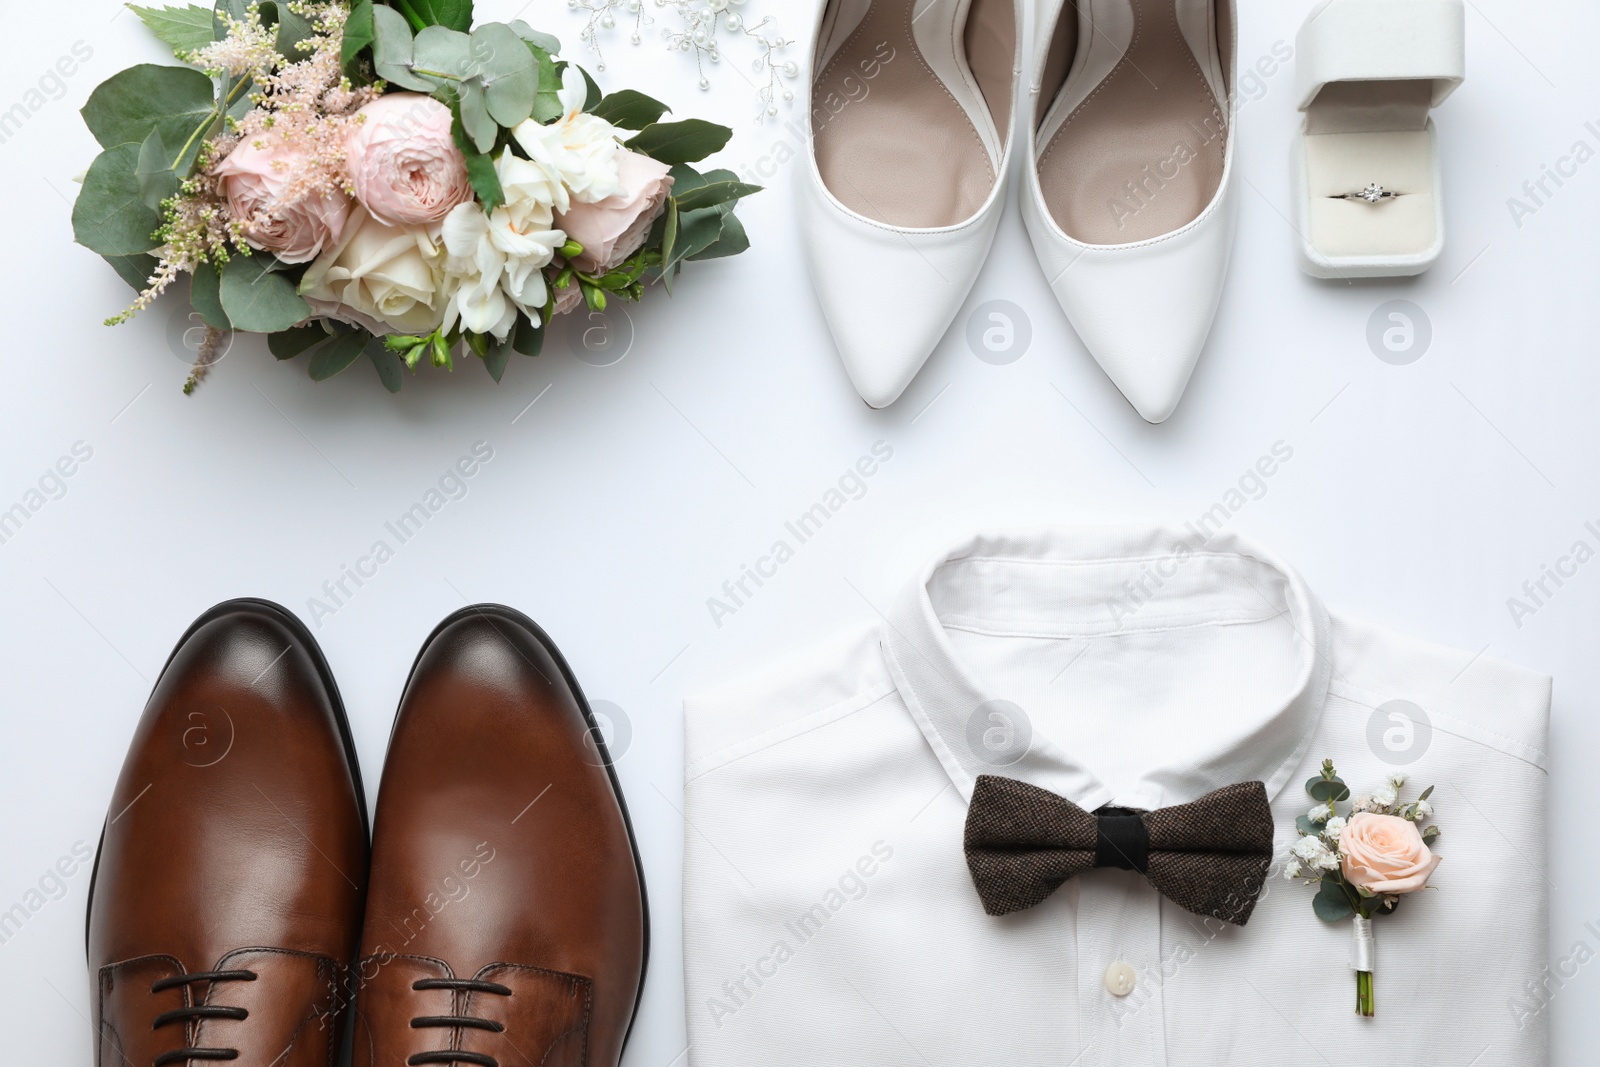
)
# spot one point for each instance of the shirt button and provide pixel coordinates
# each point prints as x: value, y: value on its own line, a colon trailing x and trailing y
x: 1119, y: 979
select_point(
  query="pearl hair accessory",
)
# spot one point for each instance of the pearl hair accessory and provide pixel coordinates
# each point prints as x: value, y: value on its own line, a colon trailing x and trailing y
x: 703, y: 23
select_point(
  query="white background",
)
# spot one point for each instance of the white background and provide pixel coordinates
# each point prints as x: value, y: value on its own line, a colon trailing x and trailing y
x: 1420, y: 496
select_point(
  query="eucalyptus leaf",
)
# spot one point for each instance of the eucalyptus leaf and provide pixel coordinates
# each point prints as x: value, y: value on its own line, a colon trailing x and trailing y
x: 697, y: 231
x: 669, y: 239
x: 241, y: 103
x: 1331, y: 904
x: 509, y: 72
x: 135, y: 270
x: 129, y: 104
x: 206, y: 297
x: 392, y: 50
x: 286, y: 344
x: 629, y: 110
x: 183, y: 29
x: 713, y: 193
x: 1327, y: 789
x: 234, y: 9
x: 528, y: 337
x: 494, y: 361
x: 292, y: 29
x: 258, y: 300
x: 685, y: 178
x: 485, y: 180
x: 386, y: 363
x: 732, y: 241
x: 110, y: 217
x: 543, y: 41
x: 1304, y: 824
x: 336, y: 355
x: 496, y: 50
x: 157, y: 181
x: 441, y: 54
x: 547, y: 100
x: 593, y: 96
x: 358, y: 35
x: 480, y: 126
x: 688, y: 141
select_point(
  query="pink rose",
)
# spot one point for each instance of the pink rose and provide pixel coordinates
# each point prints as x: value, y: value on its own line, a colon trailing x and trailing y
x: 403, y: 161
x: 568, y: 299
x: 1385, y: 853
x: 296, y: 231
x: 612, y: 229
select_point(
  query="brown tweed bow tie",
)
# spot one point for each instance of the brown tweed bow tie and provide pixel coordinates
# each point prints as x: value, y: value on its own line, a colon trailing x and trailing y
x: 1209, y: 856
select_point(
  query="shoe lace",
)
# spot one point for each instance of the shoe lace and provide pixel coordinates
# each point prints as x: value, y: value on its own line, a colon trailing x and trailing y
x: 199, y: 1011
x: 470, y: 1022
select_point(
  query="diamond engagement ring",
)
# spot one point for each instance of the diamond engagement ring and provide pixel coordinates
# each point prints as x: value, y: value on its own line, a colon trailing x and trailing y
x: 1371, y: 194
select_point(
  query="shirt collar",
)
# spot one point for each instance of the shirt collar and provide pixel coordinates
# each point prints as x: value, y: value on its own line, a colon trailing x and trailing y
x: 1075, y: 582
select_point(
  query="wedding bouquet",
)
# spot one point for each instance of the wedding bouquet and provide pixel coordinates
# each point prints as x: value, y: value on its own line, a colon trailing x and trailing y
x: 357, y: 177
x: 1363, y: 861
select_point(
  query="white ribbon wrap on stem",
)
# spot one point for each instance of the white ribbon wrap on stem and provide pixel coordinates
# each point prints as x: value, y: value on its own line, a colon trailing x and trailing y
x: 1363, y: 945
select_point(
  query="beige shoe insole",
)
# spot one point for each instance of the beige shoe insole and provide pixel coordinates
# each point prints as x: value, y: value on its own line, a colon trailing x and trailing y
x: 1142, y: 155
x: 891, y: 142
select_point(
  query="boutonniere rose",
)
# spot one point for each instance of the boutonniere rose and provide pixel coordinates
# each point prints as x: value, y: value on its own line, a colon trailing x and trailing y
x: 1385, y: 854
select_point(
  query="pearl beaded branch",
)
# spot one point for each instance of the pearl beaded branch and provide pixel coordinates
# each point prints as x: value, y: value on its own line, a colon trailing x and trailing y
x: 703, y: 22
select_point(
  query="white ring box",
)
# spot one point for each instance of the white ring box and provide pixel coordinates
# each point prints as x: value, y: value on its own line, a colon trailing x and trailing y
x: 1368, y: 73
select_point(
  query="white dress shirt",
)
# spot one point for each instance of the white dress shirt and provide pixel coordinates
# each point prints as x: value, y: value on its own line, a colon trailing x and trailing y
x: 829, y: 917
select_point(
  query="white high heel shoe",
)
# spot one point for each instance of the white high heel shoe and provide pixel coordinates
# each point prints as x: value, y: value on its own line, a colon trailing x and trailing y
x: 910, y: 105
x: 1129, y: 192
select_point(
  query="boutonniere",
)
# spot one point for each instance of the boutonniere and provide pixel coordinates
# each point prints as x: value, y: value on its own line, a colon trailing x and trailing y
x: 1363, y: 860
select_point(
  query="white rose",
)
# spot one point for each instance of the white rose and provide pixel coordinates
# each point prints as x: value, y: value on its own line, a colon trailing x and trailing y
x: 385, y: 279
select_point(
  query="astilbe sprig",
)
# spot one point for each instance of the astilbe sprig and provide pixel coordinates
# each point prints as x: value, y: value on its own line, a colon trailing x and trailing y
x: 308, y: 103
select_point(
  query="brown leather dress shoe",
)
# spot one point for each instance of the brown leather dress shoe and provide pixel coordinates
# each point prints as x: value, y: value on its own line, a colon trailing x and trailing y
x: 227, y: 894
x: 507, y: 924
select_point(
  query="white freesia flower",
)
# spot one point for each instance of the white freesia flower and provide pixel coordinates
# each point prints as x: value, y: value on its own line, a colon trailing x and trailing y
x: 1291, y: 870
x: 1384, y: 796
x: 579, y: 147
x: 495, y: 260
x: 1320, y: 813
x: 1334, y: 828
